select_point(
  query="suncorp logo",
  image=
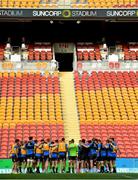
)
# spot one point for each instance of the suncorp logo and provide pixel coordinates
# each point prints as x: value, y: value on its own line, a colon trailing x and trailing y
x: 121, y: 13
x: 39, y: 13
x: 66, y: 13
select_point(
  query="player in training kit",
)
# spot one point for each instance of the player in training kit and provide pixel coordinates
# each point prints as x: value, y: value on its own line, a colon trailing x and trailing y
x: 99, y: 145
x: 109, y: 148
x: 84, y: 155
x: 92, y: 154
x: 23, y: 156
x: 79, y: 157
x: 38, y: 155
x: 115, y: 149
x: 73, y: 153
x: 14, y: 155
x: 62, y: 152
x: 45, y: 149
x: 54, y: 156
x: 19, y: 163
x: 103, y: 153
x: 30, y: 154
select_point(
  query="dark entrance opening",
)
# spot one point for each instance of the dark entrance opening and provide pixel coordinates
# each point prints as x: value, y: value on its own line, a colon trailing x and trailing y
x: 65, y: 61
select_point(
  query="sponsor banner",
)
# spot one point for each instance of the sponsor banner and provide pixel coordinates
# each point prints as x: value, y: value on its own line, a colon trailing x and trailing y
x: 127, y: 170
x: 5, y: 171
x: 119, y: 170
x: 67, y: 13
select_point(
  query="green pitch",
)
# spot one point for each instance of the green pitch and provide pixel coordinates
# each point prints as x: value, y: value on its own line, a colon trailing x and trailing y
x: 70, y: 176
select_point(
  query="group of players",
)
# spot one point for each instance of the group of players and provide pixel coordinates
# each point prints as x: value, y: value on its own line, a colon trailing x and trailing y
x: 51, y: 156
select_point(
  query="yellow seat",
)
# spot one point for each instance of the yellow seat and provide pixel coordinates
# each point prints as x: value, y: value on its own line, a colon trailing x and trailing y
x: 5, y: 125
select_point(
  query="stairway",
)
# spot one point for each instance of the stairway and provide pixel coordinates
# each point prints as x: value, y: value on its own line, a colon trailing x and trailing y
x: 70, y: 116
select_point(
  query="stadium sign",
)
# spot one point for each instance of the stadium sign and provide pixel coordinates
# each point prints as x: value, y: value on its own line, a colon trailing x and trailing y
x: 67, y: 13
x: 46, y: 13
x: 120, y: 13
x: 11, y: 13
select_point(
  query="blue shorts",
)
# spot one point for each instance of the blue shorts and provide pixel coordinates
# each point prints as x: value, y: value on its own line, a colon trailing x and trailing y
x: 45, y: 158
x: 103, y: 155
x: 62, y: 156
x: 19, y: 158
x: 111, y: 156
x: 54, y: 156
x: 38, y: 156
x: 23, y: 155
x: 46, y: 153
x: 14, y: 158
x: 30, y: 156
x: 23, y: 158
x: 92, y: 156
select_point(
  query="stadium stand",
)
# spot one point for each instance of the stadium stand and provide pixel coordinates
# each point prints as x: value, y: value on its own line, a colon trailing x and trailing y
x: 104, y: 4
x: 72, y: 4
x: 88, y: 52
x: 40, y: 52
x: 29, y: 3
x: 130, y: 51
x: 107, y: 104
x: 1, y: 52
x: 30, y: 105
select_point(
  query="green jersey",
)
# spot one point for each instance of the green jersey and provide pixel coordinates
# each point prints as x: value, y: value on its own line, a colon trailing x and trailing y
x: 73, y: 150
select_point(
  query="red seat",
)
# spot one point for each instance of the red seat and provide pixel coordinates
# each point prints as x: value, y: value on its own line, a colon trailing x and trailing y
x: 31, y: 55
x: 49, y: 55
x: 1, y: 55
x: 92, y: 55
x: 85, y: 55
x: 43, y: 55
x: 37, y: 55
x: 79, y: 55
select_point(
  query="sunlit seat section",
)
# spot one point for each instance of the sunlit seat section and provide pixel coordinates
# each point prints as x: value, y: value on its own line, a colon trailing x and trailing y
x: 107, y: 106
x: 104, y: 4
x: 29, y: 3
x: 30, y: 105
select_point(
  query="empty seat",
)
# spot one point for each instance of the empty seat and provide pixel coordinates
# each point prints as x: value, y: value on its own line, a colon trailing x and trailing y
x: 37, y: 107
x: 107, y: 107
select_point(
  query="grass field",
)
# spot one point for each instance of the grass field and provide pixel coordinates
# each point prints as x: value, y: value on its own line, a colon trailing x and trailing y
x: 70, y: 176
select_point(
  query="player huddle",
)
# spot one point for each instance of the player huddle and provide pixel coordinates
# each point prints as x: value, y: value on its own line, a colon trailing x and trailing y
x: 51, y: 156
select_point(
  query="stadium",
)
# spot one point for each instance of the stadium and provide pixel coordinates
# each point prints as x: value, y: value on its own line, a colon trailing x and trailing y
x: 68, y: 89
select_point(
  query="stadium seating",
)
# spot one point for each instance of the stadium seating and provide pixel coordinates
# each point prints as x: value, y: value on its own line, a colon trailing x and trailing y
x: 130, y: 52
x: 74, y: 4
x: 104, y: 4
x: 107, y: 106
x: 88, y: 52
x: 30, y: 105
x: 39, y: 52
x: 28, y: 4
x: 127, y: 52
x: 1, y: 52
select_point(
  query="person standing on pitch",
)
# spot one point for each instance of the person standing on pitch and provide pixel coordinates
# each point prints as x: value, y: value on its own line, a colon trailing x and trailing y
x: 62, y: 152
x: 73, y: 153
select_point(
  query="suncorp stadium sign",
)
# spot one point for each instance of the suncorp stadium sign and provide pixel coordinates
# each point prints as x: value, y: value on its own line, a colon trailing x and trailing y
x: 11, y: 13
x: 121, y: 13
x: 67, y: 13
